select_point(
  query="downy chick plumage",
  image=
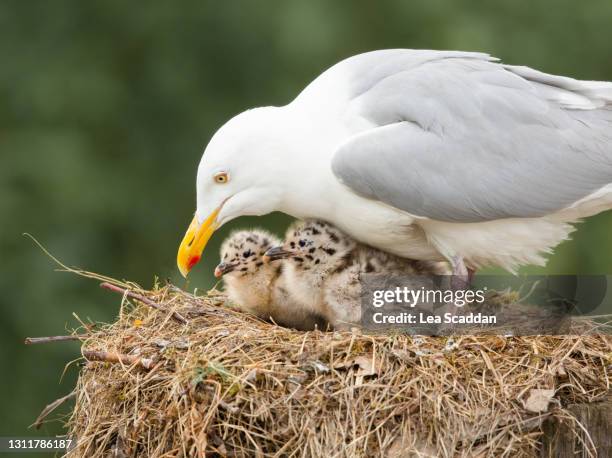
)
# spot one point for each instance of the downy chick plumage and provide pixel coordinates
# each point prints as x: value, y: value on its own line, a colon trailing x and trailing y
x: 323, y: 268
x: 258, y: 287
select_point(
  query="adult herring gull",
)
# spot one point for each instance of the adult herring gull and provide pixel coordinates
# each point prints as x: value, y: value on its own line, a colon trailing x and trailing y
x: 430, y: 155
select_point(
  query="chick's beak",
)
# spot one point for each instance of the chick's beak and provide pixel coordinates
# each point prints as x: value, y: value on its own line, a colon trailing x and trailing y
x: 276, y: 253
x: 196, y: 237
x: 223, y: 268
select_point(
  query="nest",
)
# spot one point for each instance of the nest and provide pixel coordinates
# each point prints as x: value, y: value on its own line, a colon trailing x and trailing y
x: 185, y: 375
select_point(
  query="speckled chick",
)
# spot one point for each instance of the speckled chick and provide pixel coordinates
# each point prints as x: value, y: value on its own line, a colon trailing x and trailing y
x: 324, y: 265
x: 257, y: 287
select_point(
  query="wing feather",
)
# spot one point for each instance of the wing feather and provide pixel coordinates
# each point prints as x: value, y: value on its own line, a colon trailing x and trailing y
x: 466, y: 139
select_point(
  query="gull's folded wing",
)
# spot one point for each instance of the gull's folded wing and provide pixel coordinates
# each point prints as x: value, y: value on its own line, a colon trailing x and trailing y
x: 467, y: 139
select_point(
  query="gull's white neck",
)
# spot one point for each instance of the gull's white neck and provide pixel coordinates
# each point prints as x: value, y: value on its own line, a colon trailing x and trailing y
x: 310, y: 188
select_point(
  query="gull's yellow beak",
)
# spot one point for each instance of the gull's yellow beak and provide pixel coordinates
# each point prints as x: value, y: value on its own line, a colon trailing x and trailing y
x: 196, y: 237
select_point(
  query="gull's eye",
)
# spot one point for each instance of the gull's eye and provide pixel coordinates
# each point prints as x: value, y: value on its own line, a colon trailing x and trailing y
x: 221, y: 177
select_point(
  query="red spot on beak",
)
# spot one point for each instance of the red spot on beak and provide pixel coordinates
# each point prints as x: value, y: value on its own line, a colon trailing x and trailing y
x: 193, y: 261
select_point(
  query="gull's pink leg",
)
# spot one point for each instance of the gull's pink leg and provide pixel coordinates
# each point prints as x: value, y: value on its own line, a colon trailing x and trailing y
x: 471, y: 273
x: 460, y: 277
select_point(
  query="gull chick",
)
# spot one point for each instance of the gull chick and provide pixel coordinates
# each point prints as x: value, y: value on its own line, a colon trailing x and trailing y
x: 323, y: 267
x: 257, y: 287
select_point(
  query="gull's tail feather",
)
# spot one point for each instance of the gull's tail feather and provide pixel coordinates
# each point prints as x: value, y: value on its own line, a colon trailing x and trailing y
x: 597, y: 202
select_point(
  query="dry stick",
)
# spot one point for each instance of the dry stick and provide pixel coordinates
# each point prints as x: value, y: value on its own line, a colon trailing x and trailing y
x: 50, y: 408
x: 145, y: 300
x: 39, y: 340
x: 111, y: 357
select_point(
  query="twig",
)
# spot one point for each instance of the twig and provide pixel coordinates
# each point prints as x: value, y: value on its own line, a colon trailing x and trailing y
x: 111, y: 357
x: 50, y: 408
x: 145, y: 300
x: 40, y: 340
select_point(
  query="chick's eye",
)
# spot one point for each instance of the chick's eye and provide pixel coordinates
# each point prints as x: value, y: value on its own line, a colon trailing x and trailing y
x: 221, y: 177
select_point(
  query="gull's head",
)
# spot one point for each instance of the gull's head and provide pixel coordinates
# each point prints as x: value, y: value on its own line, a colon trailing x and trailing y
x: 241, y: 173
x: 242, y: 255
x: 314, y: 246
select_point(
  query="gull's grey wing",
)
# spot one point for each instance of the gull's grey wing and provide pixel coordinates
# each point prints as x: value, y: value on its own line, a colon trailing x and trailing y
x: 466, y: 139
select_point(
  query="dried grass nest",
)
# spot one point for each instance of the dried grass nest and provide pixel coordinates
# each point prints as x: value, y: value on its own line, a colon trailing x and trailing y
x: 227, y: 384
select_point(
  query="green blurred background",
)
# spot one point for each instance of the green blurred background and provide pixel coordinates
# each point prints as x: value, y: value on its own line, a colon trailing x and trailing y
x: 105, y: 107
